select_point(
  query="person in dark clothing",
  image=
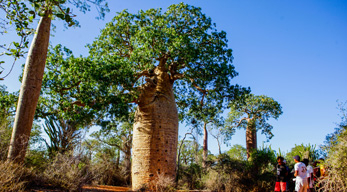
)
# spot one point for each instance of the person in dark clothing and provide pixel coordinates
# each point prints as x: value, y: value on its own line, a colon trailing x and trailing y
x: 282, y: 173
x: 288, y: 176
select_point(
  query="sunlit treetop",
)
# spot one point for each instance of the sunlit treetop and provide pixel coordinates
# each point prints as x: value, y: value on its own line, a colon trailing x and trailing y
x: 20, y: 15
x: 134, y: 49
x: 255, y: 110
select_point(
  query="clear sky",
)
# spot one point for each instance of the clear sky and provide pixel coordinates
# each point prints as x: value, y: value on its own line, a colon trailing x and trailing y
x: 293, y: 51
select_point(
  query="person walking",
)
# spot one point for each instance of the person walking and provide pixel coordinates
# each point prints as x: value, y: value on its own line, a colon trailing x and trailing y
x: 282, y: 173
x: 301, y: 184
x: 309, y: 175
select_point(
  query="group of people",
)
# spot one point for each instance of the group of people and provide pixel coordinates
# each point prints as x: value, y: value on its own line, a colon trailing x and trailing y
x: 303, y: 178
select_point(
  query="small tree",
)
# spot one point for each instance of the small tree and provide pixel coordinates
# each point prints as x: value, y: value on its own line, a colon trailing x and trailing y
x: 7, y: 109
x: 118, y: 134
x: 252, y: 113
x: 63, y: 135
x: 237, y: 152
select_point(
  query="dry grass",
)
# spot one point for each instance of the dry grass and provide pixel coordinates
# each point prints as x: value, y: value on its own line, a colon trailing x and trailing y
x: 163, y: 183
x: 12, y: 176
x: 66, y: 172
x: 336, y: 178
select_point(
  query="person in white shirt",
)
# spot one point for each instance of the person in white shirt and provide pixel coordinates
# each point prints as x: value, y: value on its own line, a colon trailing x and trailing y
x: 301, y: 184
x: 309, y: 175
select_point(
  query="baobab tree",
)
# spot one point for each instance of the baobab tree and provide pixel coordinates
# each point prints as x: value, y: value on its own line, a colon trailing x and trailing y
x: 252, y: 113
x: 36, y: 58
x: 156, y: 61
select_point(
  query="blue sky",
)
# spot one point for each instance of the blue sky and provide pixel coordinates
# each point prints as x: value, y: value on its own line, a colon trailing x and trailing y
x: 294, y: 51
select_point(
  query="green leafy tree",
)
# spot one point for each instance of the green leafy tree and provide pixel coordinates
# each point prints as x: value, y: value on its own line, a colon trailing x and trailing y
x: 252, y: 114
x: 304, y: 151
x: 335, y: 148
x: 63, y: 135
x: 118, y: 135
x: 153, y: 60
x: 237, y: 152
x: 36, y: 59
x: 7, y: 109
x: 204, y: 112
x: 331, y: 139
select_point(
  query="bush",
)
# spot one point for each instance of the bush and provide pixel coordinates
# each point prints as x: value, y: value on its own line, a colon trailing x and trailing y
x: 241, y: 175
x: 163, y: 184
x: 336, y: 164
x: 13, y: 177
x: 107, y: 172
x: 67, y: 172
x: 190, y: 176
x: 228, y: 175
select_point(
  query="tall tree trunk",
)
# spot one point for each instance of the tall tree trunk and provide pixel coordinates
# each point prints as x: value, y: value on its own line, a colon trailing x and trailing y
x: 155, y: 132
x: 117, y: 159
x: 251, y: 139
x: 205, y: 148
x: 30, y: 90
x: 127, y: 160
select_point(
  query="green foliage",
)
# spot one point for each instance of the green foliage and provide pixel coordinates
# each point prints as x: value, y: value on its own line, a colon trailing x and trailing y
x: 182, y: 41
x: 21, y: 14
x: 8, y: 103
x: 230, y: 174
x: 190, y: 152
x: 63, y: 135
x: 304, y: 151
x: 331, y: 139
x: 254, y: 110
x: 237, y: 152
x: 336, y: 164
x: 116, y: 133
x: 70, y: 93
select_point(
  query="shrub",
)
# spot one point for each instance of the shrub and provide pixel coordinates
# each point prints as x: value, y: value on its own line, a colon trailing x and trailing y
x: 107, y: 172
x: 162, y: 183
x: 336, y: 164
x: 67, y: 172
x: 13, y: 176
x: 190, y: 176
x: 239, y: 175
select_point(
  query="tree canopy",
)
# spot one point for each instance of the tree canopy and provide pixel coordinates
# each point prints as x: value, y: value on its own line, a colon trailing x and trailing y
x: 182, y: 41
x: 256, y: 110
x: 21, y: 15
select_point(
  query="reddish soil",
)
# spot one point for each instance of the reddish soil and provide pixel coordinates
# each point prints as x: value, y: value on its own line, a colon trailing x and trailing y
x: 104, y: 188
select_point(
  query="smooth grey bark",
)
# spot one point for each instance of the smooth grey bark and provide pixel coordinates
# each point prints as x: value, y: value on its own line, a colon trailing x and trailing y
x: 205, y: 146
x: 30, y: 90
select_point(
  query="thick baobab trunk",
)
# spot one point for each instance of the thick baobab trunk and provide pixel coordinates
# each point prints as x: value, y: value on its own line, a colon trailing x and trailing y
x: 155, y: 132
x: 205, y: 148
x: 251, y: 139
x: 30, y: 90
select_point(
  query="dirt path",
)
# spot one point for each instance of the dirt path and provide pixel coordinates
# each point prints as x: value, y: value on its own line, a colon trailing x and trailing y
x: 104, y: 188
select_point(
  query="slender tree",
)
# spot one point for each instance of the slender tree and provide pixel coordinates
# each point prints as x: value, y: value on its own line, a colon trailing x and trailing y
x: 252, y: 114
x: 35, y: 64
